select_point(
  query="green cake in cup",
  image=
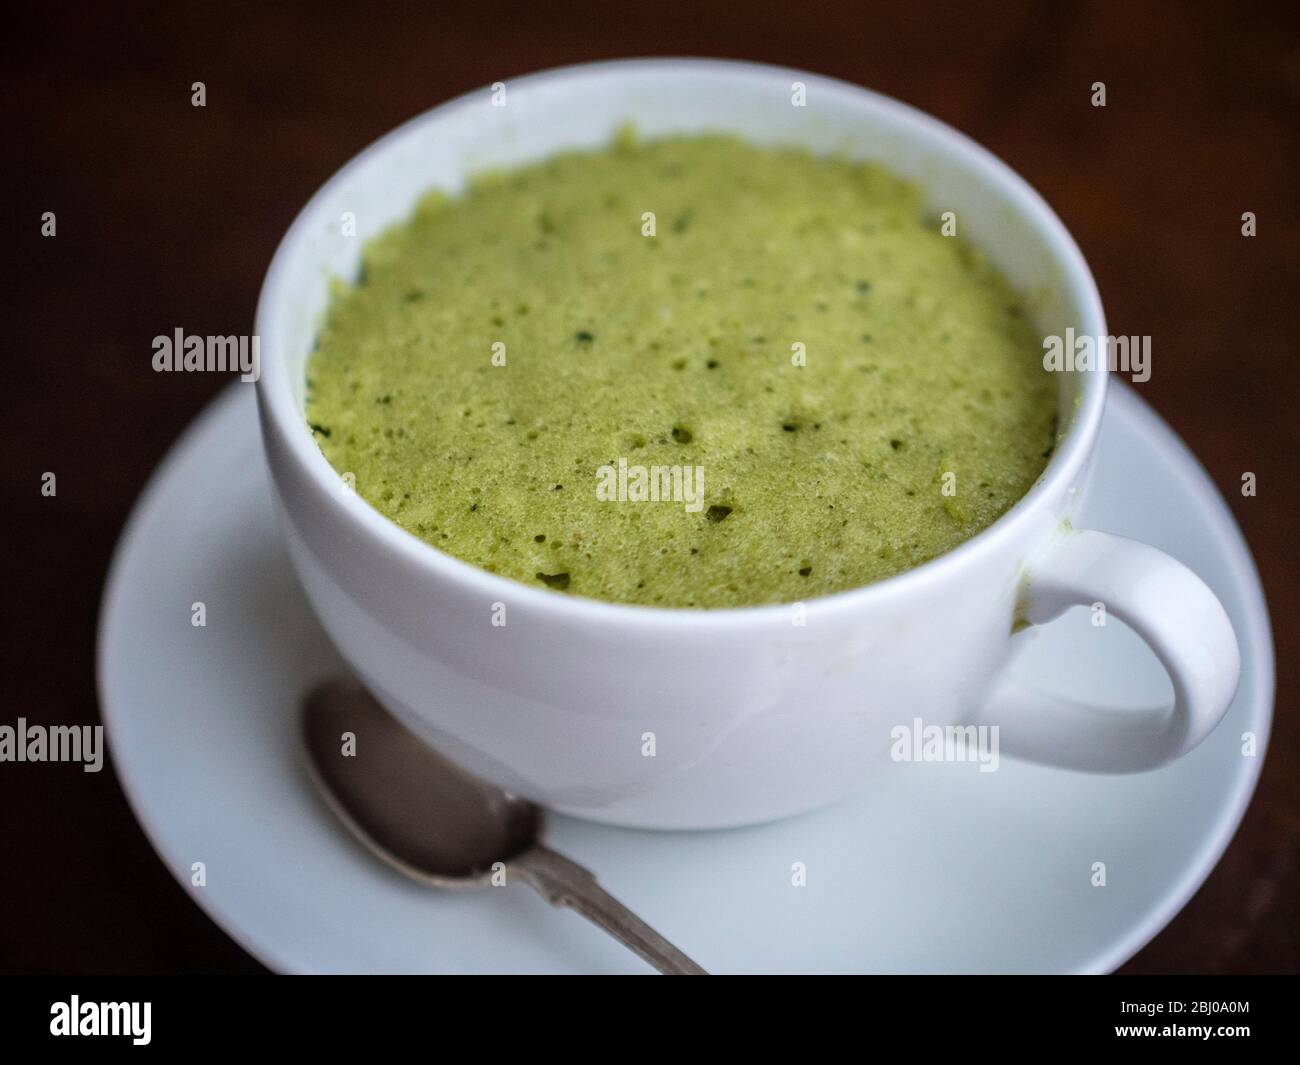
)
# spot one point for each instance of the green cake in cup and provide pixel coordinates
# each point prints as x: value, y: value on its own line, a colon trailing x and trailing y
x: 687, y: 372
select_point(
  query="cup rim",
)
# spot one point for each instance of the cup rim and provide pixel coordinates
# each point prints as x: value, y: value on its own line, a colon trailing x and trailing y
x: 1067, y: 461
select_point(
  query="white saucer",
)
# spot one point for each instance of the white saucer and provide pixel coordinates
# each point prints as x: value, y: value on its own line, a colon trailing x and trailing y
x: 937, y: 868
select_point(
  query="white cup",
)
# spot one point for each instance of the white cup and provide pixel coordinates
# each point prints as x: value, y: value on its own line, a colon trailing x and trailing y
x: 705, y: 718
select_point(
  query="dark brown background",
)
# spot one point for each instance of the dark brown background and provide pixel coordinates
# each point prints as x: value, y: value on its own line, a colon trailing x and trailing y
x: 168, y: 215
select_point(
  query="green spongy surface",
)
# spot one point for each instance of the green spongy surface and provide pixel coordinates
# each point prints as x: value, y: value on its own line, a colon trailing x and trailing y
x: 676, y: 350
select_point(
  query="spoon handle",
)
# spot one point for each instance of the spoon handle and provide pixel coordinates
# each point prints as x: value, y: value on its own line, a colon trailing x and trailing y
x: 565, y: 883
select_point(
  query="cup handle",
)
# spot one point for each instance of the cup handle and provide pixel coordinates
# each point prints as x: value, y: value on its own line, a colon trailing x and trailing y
x: 1177, y: 615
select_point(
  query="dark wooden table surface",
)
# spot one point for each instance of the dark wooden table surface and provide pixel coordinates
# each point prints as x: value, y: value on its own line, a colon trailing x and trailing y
x: 167, y: 216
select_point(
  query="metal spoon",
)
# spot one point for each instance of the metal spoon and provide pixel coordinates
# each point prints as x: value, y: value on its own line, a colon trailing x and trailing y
x: 435, y: 822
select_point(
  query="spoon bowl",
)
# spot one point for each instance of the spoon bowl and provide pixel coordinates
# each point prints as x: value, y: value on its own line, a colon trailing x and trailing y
x: 404, y: 801
x: 431, y: 820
